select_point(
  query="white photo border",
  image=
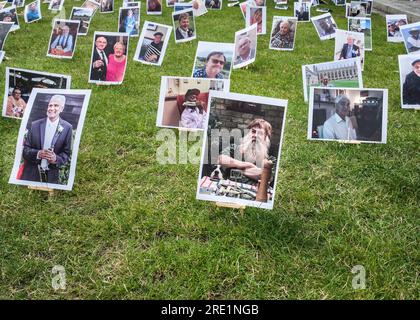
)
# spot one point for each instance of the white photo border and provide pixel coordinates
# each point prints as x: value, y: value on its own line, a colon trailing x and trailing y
x: 384, y: 115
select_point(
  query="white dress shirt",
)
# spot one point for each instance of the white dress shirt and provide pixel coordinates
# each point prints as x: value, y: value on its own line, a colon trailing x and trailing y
x: 184, y: 33
x: 50, y: 130
x: 337, y: 128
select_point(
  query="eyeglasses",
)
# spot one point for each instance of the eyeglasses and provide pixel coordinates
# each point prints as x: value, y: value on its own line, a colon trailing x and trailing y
x: 214, y: 61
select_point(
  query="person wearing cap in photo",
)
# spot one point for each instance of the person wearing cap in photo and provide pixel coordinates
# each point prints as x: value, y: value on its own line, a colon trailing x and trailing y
x: 193, y: 115
x: 411, y: 87
x: 154, y: 49
x: 413, y: 40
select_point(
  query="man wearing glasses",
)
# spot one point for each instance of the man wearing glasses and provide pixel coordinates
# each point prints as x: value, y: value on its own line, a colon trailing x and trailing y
x: 244, y: 50
x: 213, y: 68
x: 47, y: 146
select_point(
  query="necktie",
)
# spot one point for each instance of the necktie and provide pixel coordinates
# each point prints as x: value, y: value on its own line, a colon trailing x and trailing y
x: 103, y: 57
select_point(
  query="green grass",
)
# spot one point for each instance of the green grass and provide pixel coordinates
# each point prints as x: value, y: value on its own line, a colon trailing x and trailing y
x: 132, y: 229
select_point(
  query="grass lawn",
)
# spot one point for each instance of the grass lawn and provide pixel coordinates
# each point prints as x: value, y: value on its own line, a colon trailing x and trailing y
x: 347, y: 84
x: 132, y: 229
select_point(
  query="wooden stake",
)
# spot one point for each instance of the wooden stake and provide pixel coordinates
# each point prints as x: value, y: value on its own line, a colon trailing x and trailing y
x: 49, y: 190
x: 241, y: 207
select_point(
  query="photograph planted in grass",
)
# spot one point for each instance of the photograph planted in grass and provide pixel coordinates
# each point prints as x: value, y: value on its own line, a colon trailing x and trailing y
x: 32, y: 12
x: 241, y: 149
x: 183, y: 101
x: 184, y: 25
x: 153, y: 42
x: 411, y: 36
x: 84, y: 15
x: 393, y: 24
x: 63, y: 38
x: 349, y: 45
x: 348, y: 114
x: 343, y: 73
x: 283, y: 33
x: 19, y: 85
x: 410, y: 80
x: 213, y: 60
x: 245, y: 47
x: 49, y: 136
x: 107, y: 6
x: 109, y: 57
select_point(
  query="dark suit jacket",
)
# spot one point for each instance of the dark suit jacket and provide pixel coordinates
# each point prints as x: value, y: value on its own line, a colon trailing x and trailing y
x: 179, y: 36
x: 353, y: 55
x: 411, y: 89
x: 95, y: 73
x: 35, y: 142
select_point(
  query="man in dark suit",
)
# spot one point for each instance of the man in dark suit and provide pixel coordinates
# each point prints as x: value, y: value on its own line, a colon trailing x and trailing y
x: 302, y: 13
x: 99, y: 60
x: 349, y: 50
x: 47, y: 146
x: 184, y: 31
x: 411, y: 87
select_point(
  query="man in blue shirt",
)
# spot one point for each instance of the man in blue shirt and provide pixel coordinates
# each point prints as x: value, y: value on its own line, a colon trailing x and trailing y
x: 64, y: 41
x: 213, y: 68
x: 33, y: 13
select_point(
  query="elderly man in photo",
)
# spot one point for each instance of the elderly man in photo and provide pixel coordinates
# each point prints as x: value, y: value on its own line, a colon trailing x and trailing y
x: 411, y: 87
x: 413, y: 41
x: 349, y: 50
x: 154, y: 49
x: 100, y: 60
x: 184, y: 31
x: 339, y: 125
x: 282, y: 36
x: 47, y: 146
x: 244, y: 50
x: 63, y: 43
x: 213, y: 68
x: 246, y: 160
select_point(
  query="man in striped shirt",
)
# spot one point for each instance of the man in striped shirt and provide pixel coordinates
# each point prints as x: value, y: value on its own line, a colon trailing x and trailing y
x: 154, y: 49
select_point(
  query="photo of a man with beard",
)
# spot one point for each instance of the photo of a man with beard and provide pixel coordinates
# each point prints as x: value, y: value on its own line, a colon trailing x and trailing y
x: 247, y: 158
x: 244, y: 136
